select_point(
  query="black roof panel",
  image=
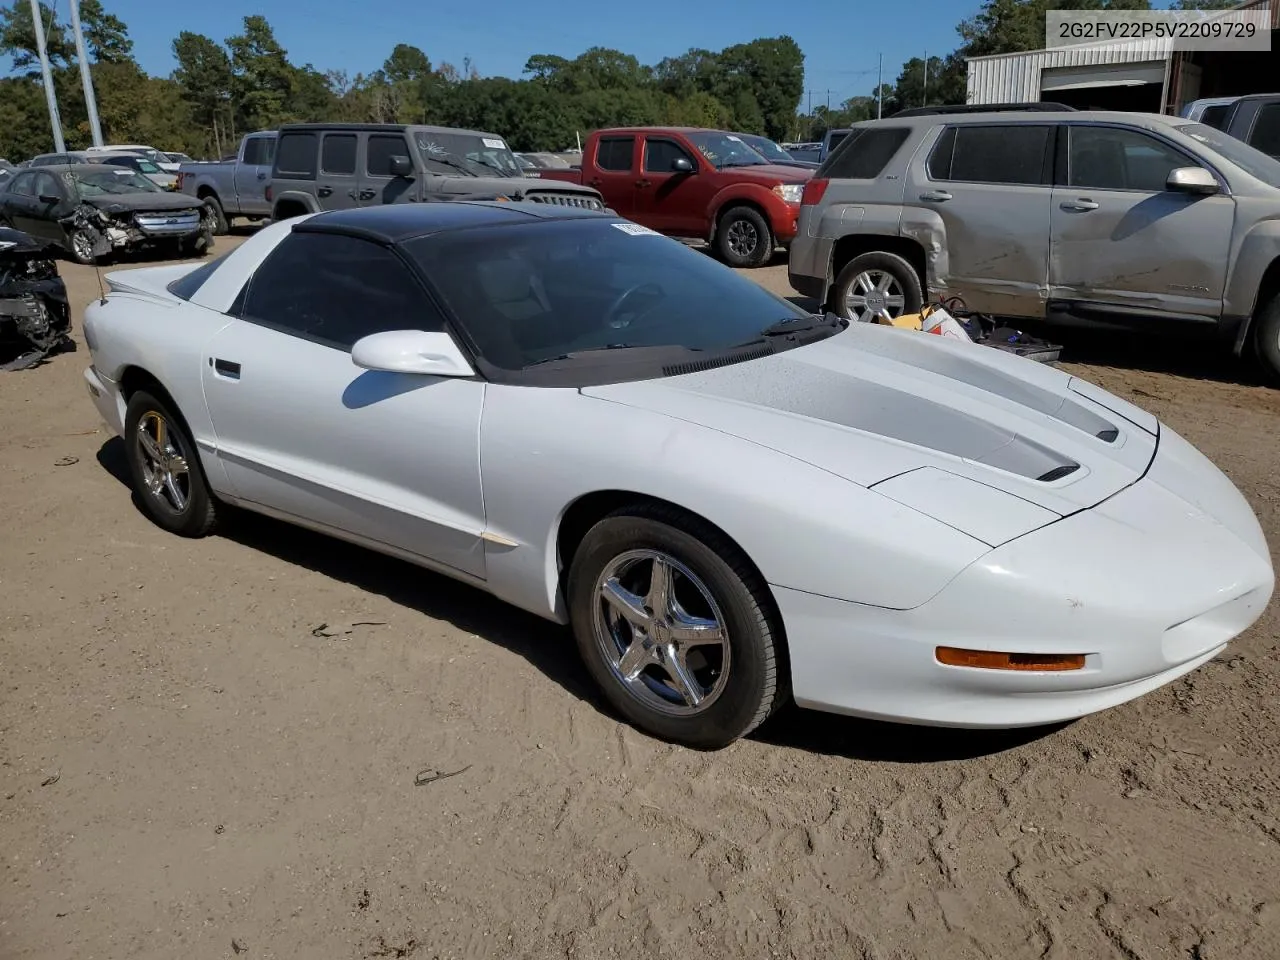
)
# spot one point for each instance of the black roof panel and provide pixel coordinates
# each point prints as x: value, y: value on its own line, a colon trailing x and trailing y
x: 397, y: 222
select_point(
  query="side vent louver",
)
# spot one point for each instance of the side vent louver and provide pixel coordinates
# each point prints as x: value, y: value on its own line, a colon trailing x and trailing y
x: 1108, y: 436
x: 1057, y: 473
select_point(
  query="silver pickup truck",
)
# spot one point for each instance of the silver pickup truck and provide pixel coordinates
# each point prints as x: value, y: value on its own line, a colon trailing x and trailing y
x: 236, y: 187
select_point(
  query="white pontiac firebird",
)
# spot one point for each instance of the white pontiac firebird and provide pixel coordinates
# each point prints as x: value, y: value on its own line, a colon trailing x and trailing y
x: 731, y: 500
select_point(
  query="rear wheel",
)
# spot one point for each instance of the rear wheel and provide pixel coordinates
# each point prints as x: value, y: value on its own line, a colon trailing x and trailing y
x: 876, y: 286
x: 220, y: 224
x: 674, y: 625
x: 743, y: 238
x: 1267, y: 340
x: 168, y: 480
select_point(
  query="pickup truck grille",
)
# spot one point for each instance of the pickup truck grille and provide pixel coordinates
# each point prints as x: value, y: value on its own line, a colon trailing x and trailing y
x: 166, y: 224
x: 567, y: 200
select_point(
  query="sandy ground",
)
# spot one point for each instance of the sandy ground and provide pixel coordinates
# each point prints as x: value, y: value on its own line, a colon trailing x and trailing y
x: 190, y: 767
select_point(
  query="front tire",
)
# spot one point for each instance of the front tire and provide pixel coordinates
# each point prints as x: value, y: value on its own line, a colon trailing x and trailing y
x: 80, y: 246
x: 1267, y: 340
x: 168, y: 480
x: 675, y: 627
x: 743, y: 238
x: 876, y: 286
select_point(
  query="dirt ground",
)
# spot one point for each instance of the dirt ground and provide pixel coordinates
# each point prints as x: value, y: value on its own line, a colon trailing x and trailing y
x: 209, y: 748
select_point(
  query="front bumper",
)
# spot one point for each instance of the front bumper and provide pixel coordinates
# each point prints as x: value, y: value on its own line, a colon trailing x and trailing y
x: 1149, y: 585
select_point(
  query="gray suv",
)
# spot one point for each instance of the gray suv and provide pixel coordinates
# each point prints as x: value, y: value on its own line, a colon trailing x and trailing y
x: 336, y: 166
x: 1106, y: 220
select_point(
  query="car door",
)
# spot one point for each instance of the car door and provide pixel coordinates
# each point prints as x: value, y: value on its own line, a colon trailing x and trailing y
x: 377, y: 183
x: 989, y: 185
x: 392, y: 459
x: 338, y: 183
x: 53, y: 201
x: 19, y: 202
x: 252, y: 175
x: 616, y: 166
x: 669, y: 200
x: 1121, y: 242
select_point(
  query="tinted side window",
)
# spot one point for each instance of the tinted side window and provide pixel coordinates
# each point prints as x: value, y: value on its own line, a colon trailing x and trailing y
x: 660, y: 154
x: 1215, y: 116
x: 296, y: 158
x: 614, y: 153
x: 1005, y: 153
x: 334, y: 290
x: 24, y: 185
x: 379, y: 152
x: 865, y: 153
x: 1266, y: 130
x: 253, y: 151
x: 185, y: 287
x: 47, y: 185
x: 1114, y: 159
x: 338, y: 153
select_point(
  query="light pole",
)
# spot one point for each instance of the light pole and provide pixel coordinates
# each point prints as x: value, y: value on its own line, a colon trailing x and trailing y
x: 91, y: 103
x: 49, y: 95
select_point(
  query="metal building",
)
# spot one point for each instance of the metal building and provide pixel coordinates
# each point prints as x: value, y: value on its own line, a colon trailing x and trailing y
x: 1143, y: 75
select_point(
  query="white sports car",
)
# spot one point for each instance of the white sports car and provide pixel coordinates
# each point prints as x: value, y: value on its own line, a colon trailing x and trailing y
x: 732, y: 501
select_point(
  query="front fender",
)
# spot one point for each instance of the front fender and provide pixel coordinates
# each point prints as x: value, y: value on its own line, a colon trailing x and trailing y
x: 775, y: 209
x: 543, y: 449
x: 298, y: 196
x: 1254, y: 250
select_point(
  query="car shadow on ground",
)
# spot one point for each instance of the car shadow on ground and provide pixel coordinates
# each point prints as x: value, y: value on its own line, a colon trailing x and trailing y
x: 551, y: 649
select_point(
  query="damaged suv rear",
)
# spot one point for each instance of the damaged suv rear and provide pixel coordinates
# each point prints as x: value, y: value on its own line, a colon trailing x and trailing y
x: 34, y: 318
x: 94, y: 210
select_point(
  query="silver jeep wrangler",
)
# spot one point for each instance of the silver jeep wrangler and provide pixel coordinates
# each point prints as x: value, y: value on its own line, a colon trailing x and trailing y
x: 1113, y: 220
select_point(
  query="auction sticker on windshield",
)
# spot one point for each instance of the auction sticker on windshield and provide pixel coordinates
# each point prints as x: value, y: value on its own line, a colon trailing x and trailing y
x: 636, y: 230
x: 493, y: 144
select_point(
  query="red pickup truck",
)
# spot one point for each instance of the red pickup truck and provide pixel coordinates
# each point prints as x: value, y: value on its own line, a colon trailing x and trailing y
x: 689, y: 182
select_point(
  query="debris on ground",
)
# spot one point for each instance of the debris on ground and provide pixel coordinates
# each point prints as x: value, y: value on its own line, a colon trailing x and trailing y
x: 325, y: 630
x: 431, y: 775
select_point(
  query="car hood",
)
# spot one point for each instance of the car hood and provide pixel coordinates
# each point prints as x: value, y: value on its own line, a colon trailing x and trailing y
x: 142, y: 202
x: 770, y: 173
x: 992, y: 444
x: 515, y: 187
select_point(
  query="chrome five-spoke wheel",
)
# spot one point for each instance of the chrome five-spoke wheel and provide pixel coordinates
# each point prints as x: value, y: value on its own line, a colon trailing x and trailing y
x: 661, y: 632
x: 166, y: 475
x: 168, y: 482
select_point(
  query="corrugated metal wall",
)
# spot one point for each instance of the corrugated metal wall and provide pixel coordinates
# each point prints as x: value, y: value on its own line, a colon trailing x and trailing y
x: 1015, y: 77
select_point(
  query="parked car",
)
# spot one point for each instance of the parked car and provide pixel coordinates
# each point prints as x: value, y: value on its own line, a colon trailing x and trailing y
x: 236, y: 187
x: 178, y: 158
x: 35, y: 320
x: 94, y: 209
x: 1254, y: 119
x: 136, y: 162
x: 55, y: 159
x: 689, y: 182
x: 545, y: 161
x: 1144, y: 221
x: 142, y: 150
x: 732, y: 502
x: 808, y: 152
x: 334, y: 166
x: 772, y: 152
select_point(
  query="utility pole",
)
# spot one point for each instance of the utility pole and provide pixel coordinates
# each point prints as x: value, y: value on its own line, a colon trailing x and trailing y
x: 828, y: 102
x: 925, y: 93
x: 880, y: 88
x: 49, y: 94
x: 810, y: 110
x: 91, y: 103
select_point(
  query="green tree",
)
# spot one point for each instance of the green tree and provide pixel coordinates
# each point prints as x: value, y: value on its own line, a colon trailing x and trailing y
x: 105, y: 34
x: 262, y: 79
x: 204, y: 80
x: 18, y: 36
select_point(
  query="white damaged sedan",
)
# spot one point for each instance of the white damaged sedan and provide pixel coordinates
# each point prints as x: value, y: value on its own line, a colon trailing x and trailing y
x: 732, y: 501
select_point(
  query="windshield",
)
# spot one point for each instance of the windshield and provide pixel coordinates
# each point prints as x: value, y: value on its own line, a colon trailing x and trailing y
x: 536, y: 292
x: 768, y: 149
x: 466, y: 154
x: 725, y: 149
x: 1251, y: 161
x: 97, y: 183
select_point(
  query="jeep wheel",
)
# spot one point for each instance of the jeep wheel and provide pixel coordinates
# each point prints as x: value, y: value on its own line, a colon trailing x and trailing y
x: 876, y: 286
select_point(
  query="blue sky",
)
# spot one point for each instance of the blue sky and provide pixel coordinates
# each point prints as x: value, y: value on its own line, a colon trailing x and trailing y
x: 841, y: 39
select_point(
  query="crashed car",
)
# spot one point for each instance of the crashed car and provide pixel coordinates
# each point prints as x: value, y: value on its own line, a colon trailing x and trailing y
x: 95, y: 210
x: 34, y: 318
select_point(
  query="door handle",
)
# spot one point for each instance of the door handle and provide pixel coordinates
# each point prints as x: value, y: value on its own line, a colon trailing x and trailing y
x: 262, y: 175
x: 1083, y: 205
x: 642, y: 183
x: 324, y: 191
x: 226, y: 368
x: 936, y: 196
x: 351, y: 194
x: 595, y: 182
x: 368, y: 194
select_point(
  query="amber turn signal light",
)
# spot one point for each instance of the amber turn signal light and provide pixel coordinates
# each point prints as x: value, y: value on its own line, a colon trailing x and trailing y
x: 991, y: 660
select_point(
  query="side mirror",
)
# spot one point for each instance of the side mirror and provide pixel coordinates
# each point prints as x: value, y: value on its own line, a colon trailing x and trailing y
x: 49, y: 198
x: 401, y: 166
x: 682, y: 165
x: 411, y: 351
x: 1192, y: 180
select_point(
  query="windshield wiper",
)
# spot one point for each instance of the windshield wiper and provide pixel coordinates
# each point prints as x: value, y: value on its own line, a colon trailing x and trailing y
x: 788, y: 327
x: 660, y: 350
x: 449, y: 161
x: 491, y: 166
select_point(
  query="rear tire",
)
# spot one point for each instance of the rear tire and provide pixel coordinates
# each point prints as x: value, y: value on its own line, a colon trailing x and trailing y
x: 895, y: 288
x: 168, y: 480
x: 663, y: 665
x: 743, y: 238
x: 1266, y: 340
x: 220, y: 224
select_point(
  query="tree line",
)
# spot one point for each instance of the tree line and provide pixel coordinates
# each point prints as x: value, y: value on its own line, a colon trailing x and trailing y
x: 221, y: 90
